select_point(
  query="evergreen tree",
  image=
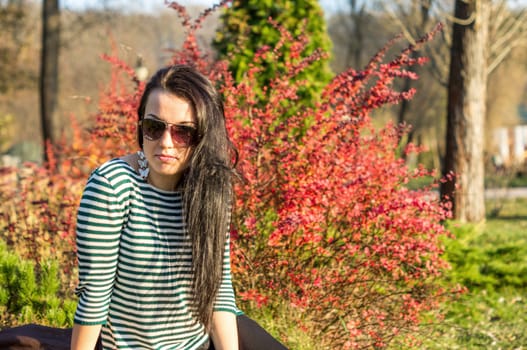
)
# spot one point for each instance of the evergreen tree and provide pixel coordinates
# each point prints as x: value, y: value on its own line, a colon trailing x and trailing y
x: 246, y: 28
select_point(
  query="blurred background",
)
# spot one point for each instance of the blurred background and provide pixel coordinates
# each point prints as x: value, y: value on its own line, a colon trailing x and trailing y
x: 142, y: 32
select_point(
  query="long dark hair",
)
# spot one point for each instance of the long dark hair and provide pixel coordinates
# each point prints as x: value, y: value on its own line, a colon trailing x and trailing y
x: 208, y: 181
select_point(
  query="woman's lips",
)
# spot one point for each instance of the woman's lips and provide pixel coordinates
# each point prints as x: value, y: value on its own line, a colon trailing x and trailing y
x: 166, y: 158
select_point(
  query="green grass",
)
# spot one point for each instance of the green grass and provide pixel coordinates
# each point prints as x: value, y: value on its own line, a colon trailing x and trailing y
x: 491, y: 261
x: 278, y: 323
x: 506, y: 178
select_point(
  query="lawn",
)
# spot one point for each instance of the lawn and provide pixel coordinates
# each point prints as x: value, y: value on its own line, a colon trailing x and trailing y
x: 491, y: 261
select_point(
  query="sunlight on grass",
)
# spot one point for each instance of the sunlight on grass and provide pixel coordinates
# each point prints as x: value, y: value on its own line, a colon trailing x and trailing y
x: 491, y: 261
x: 279, y: 324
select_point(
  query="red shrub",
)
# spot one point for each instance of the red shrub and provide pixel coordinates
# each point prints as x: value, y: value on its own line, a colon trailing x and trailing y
x: 325, y: 222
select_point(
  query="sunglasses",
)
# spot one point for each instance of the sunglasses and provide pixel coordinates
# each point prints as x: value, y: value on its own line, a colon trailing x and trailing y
x: 182, y: 135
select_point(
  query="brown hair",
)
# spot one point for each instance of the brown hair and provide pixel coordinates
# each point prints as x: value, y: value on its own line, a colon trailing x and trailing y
x: 208, y: 181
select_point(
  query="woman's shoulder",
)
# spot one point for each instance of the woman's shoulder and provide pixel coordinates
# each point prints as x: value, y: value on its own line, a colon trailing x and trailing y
x: 119, y: 167
x: 132, y: 160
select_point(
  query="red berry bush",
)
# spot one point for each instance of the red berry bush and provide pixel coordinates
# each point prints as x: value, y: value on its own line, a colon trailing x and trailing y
x: 325, y: 221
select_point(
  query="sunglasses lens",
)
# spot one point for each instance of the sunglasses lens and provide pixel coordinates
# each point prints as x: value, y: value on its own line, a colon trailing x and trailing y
x: 183, y: 135
x: 153, y: 129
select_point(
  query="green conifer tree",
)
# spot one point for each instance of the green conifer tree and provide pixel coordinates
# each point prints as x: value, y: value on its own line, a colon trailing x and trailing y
x: 246, y: 28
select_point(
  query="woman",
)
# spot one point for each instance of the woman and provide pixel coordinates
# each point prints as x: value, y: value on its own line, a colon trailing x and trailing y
x: 152, y: 230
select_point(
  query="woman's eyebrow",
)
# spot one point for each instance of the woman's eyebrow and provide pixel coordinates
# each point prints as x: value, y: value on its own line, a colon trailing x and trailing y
x: 182, y: 123
x: 152, y: 115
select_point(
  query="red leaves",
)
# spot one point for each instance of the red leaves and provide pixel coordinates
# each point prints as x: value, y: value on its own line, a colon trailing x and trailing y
x: 254, y: 296
x: 333, y: 204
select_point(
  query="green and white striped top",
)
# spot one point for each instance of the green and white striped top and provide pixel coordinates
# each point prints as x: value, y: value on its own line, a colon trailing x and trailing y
x: 135, y: 264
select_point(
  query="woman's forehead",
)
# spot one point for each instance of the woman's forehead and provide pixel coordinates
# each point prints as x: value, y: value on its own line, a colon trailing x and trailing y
x: 169, y: 107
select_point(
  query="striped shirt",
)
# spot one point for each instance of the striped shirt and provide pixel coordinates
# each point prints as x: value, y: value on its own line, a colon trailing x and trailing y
x: 135, y: 264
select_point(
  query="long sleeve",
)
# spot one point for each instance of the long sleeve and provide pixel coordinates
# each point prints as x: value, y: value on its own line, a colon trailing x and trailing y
x: 225, y: 300
x: 99, y: 224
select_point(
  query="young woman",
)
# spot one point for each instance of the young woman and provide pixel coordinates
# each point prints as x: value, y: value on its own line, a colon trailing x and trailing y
x: 152, y: 230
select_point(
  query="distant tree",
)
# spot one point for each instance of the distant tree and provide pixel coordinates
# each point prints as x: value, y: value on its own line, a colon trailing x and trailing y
x: 14, y: 44
x: 484, y: 33
x: 356, y: 32
x: 49, y: 67
x: 466, y: 110
x: 363, y: 27
x: 246, y: 24
x: 358, y: 16
x: 421, y: 12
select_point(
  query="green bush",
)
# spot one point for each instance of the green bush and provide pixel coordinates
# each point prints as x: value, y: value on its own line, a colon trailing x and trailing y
x: 480, y: 264
x: 491, y: 261
x: 30, y: 294
x: 246, y: 33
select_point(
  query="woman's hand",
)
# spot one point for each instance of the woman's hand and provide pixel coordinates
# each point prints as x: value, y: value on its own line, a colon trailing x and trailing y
x: 85, y: 337
x: 224, y: 331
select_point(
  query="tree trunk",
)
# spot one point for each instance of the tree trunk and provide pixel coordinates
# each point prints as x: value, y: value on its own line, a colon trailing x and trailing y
x: 358, y: 17
x: 423, y: 9
x: 466, y: 111
x: 48, y: 87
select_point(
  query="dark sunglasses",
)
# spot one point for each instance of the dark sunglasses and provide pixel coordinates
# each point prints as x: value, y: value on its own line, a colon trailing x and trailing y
x: 182, y: 135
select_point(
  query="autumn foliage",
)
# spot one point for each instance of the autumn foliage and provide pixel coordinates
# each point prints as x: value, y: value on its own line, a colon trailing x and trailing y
x: 324, y: 222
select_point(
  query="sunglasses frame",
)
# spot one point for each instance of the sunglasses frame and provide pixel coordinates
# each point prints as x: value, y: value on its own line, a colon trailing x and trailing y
x: 180, y: 129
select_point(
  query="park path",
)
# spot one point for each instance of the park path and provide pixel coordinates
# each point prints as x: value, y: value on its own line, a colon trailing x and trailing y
x: 515, y: 192
x: 496, y: 193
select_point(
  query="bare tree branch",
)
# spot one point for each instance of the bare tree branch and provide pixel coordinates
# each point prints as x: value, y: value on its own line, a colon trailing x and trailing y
x: 460, y: 21
x: 509, y: 31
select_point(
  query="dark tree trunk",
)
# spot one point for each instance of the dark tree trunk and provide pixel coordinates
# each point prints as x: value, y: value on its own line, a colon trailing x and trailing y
x: 358, y: 17
x: 405, y: 105
x: 49, y: 60
x: 466, y: 111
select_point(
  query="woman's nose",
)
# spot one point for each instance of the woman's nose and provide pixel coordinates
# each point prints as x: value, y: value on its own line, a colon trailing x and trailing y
x: 166, y: 138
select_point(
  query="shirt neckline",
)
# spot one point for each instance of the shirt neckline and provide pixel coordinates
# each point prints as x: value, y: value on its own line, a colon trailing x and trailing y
x: 144, y: 181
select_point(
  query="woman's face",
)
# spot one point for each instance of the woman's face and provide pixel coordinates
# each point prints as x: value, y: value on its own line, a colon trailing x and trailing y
x: 167, y: 156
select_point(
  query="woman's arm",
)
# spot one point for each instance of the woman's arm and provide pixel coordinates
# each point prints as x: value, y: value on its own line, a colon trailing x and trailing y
x: 84, y: 337
x: 99, y: 221
x: 224, y: 332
